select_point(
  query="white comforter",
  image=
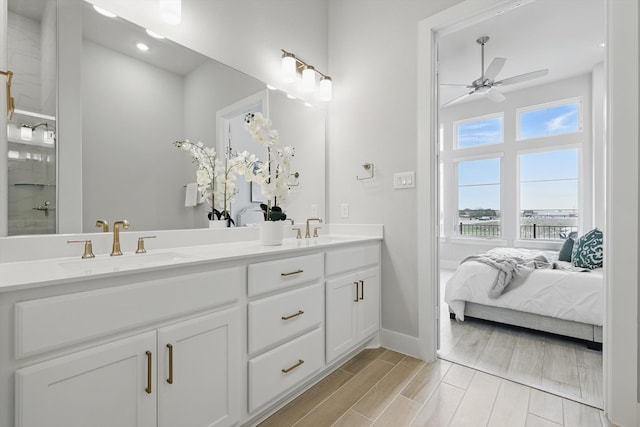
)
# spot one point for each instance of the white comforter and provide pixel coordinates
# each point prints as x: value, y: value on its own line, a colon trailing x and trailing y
x: 569, y: 295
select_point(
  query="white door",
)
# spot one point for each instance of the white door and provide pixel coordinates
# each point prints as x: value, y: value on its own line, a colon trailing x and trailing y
x: 368, y: 303
x: 341, y: 316
x: 199, y: 371
x: 104, y: 386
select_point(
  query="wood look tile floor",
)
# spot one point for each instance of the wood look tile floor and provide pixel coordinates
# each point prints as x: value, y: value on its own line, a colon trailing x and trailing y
x: 380, y: 387
x: 543, y: 361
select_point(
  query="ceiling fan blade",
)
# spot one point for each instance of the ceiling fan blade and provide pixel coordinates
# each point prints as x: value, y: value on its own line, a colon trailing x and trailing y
x: 494, y: 68
x: 456, y: 85
x: 522, y: 77
x: 495, y: 96
x: 458, y: 99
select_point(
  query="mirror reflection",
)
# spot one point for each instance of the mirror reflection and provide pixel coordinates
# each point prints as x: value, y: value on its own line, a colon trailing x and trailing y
x: 134, y: 104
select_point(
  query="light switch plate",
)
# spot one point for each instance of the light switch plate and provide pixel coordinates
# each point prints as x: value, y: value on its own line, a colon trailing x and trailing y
x: 403, y: 180
x: 344, y: 210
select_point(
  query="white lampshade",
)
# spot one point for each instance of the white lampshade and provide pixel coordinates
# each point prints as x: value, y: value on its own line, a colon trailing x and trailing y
x: 171, y: 11
x: 325, y: 88
x: 308, y: 79
x: 26, y: 133
x: 288, y: 67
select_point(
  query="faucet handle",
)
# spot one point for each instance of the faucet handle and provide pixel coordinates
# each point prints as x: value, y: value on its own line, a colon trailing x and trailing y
x: 315, y: 231
x: 298, y: 231
x: 88, y: 248
x: 141, y: 248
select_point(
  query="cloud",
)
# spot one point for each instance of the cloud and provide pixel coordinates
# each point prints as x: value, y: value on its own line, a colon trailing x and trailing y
x: 563, y: 121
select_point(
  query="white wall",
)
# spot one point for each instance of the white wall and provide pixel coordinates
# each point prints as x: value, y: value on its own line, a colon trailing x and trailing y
x: 453, y: 248
x: 128, y: 130
x: 373, y: 61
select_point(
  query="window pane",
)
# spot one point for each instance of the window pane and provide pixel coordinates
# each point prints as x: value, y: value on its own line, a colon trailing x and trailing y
x: 479, y: 198
x: 550, y: 121
x: 549, y: 194
x: 479, y: 132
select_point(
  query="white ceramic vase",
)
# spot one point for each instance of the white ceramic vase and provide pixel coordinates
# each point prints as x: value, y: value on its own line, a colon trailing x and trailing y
x: 271, y: 232
x: 218, y: 224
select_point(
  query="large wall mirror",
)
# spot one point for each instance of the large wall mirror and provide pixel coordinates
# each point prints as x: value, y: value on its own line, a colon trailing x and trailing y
x: 132, y: 105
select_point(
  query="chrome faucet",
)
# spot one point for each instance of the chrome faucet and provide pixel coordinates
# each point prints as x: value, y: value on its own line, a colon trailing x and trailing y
x: 307, y: 235
x: 104, y: 224
x: 115, y: 249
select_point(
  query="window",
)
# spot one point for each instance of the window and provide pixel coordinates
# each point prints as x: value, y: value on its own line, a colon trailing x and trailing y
x: 479, y: 197
x: 479, y: 131
x: 548, y: 194
x: 550, y: 119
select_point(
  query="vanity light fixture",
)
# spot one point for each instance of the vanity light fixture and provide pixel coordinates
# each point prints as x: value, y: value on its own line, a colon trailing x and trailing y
x: 143, y: 47
x: 26, y: 133
x: 292, y: 65
x: 171, y: 11
x: 104, y: 12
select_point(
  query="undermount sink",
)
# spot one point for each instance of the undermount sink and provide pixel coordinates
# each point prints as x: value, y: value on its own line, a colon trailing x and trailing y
x: 124, y: 262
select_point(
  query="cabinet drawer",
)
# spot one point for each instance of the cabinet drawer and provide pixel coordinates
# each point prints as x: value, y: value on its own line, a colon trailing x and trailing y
x: 300, y: 358
x: 48, y: 323
x: 343, y: 260
x: 276, y: 318
x: 273, y: 275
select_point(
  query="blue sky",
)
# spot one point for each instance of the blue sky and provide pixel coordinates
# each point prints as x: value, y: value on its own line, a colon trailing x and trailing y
x: 548, y: 180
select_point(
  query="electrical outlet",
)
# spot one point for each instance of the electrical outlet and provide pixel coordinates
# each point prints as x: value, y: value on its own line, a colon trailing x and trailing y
x: 344, y: 210
x: 314, y: 210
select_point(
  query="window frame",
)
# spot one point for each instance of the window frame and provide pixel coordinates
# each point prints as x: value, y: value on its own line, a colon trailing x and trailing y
x: 577, y: 100
x: 456, y: 123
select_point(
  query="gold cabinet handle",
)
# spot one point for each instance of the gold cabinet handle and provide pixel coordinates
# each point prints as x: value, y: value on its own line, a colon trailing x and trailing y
x: 149, y: 357
x: 291, y: 368
x: 361, y: 289
x: 291, y: 273
x: 356, y: 283
x: 291, y: 316
x: 170, y: 379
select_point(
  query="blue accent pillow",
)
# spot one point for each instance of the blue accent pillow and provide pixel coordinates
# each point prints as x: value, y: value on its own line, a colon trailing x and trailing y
x: 587, y: 250
x: 566, y: 250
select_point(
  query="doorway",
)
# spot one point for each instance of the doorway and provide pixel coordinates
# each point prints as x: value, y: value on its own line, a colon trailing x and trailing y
x: 453, y: 20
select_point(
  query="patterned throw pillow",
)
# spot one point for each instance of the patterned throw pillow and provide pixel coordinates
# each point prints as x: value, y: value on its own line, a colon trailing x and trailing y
x: 587, y: 250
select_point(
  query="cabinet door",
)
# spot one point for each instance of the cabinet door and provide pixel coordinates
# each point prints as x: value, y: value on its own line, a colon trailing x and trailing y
x: 104, y: 386
x: 368, y: 303
x: 341, y: 315
x: 199, y: 376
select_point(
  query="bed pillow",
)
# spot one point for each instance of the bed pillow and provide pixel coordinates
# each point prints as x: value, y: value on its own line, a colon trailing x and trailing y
x: 587, y: 250
x: 567, y: 250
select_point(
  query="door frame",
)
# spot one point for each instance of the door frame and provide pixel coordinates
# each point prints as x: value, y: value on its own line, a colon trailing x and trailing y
x: 620, y: 361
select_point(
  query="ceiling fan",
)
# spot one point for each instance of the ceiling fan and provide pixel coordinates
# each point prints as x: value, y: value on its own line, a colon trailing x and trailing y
x: 487, y: 83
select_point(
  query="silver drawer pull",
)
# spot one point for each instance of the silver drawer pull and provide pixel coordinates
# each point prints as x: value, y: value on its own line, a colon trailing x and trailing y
x: 291, y: 316
x: 291, y: 368
x: 291, y: 273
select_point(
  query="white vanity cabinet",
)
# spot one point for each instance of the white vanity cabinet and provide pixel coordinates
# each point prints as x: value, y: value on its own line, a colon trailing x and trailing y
x: 285, y: 319
x: 184, y: 372
x: 353, y: 298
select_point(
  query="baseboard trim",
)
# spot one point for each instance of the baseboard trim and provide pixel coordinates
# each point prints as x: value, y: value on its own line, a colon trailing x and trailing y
x: 399, y: 342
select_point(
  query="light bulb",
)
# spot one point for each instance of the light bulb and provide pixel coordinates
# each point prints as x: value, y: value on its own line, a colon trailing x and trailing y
x: 326, y: 88
x: 171, y: 11
x: 308, y: 79
x: 288, y: 67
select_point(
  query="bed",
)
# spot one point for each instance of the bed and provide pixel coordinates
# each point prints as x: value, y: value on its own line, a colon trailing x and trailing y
x: 559, y: 298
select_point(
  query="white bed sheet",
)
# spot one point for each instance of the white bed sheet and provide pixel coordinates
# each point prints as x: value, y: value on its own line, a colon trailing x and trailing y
x: 569, y: 295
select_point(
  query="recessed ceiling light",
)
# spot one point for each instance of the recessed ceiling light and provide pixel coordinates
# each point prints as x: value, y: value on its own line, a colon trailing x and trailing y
x: 602, y: 44
x: 143, y: 47
x: 104, y: 12
x: 154, y: 34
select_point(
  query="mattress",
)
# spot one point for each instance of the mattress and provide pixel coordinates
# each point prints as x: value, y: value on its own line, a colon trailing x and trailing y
x: 570, y: 295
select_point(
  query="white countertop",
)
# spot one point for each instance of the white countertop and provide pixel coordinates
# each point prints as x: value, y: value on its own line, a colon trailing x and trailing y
x: 51, y: 271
